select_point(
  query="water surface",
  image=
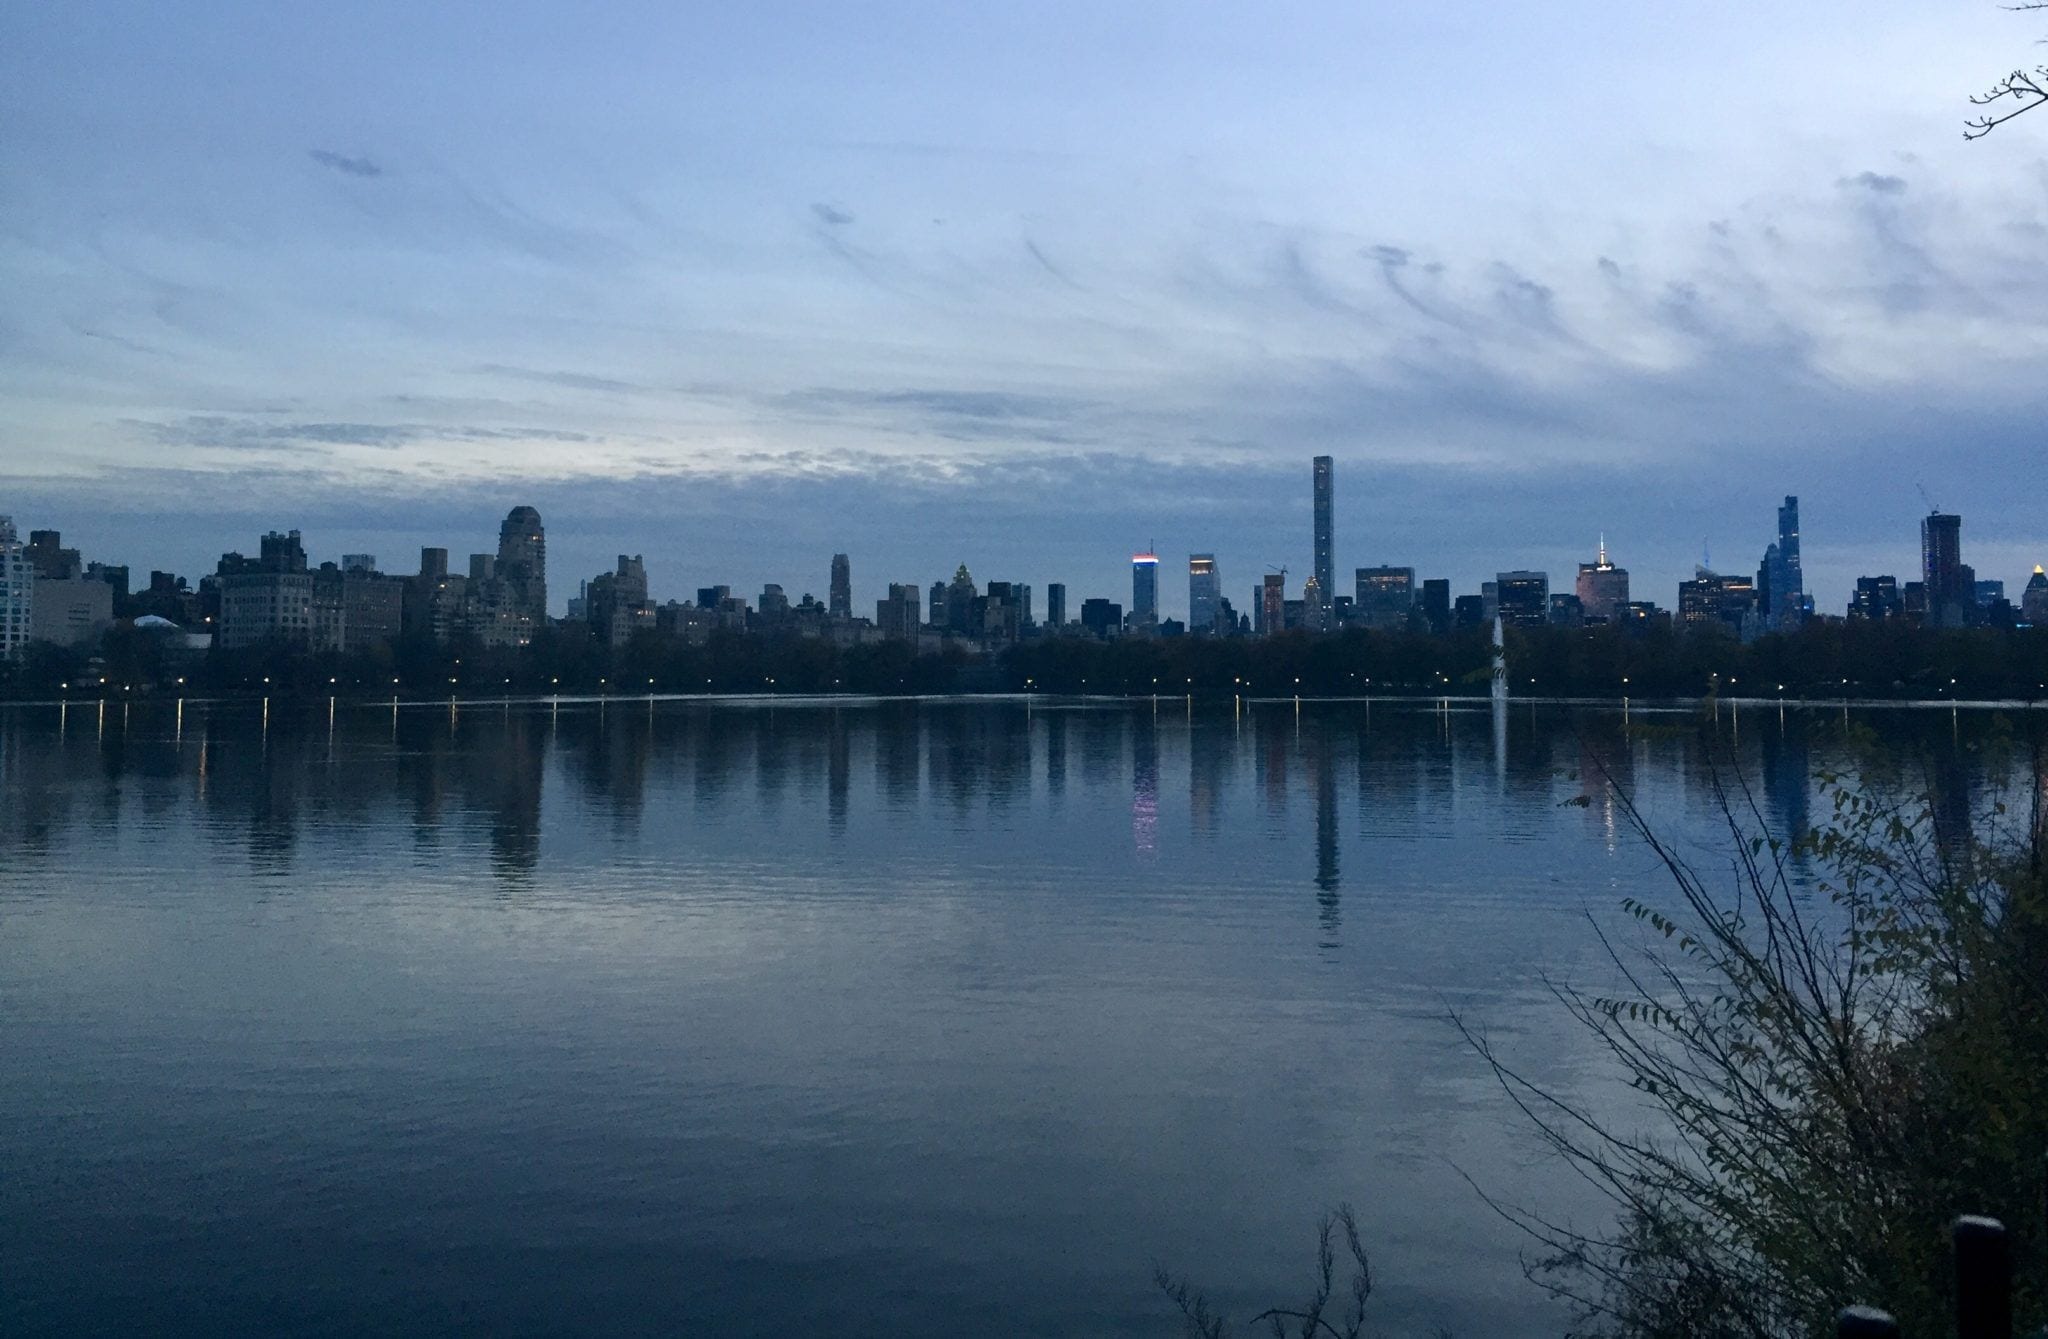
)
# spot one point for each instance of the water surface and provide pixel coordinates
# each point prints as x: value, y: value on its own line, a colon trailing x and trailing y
x: 850, y: 1017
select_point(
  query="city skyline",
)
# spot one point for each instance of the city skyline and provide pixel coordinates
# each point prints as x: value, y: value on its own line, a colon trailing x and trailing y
x: 1047, y: 279
x: 514, y: 585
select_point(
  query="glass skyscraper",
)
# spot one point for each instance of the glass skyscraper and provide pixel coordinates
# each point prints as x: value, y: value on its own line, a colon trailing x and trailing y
x: 1144, y: 590
x: 1205, y: 592
x: 1325, y: 573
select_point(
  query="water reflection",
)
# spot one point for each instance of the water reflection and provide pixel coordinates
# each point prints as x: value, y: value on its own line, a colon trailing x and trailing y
x: 262, y: 773
x: 736, y: 984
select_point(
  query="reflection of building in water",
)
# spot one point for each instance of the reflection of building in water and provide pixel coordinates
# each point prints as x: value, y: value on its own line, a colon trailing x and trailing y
x: 1786, y: 760
x: 1055, y: 753
x: 1211, y: 754
x: 1606, y: 764
x: 1948, y: 795
x: 1273, y: 736
x: 510, y: 775
x: 1145, y: 785
x: 839, y: 760
x: 897, y: 767
x: 1328, y: 900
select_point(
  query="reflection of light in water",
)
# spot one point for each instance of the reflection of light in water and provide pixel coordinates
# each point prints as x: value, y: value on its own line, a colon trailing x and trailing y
x: 1145, y: 809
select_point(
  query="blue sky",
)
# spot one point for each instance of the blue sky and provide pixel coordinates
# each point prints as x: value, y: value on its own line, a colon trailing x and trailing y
x: 1026, y: 285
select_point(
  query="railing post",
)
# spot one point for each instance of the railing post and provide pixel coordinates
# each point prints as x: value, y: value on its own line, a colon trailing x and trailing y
x: 1983, y: 1279
x: 1865, y: 1322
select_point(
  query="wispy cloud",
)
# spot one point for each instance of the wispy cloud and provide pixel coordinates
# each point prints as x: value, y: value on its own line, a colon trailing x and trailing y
x: 341, y: 162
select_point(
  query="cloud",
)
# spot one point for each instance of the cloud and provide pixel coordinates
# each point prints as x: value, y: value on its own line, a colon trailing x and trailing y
x: 1875, y: 182
x: 829, y: 216
x: 341, y: 162
x: 227, y: 433
x: 577, y: 381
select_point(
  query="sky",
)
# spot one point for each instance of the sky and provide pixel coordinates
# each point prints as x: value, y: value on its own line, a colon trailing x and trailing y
x: 1025, y: 286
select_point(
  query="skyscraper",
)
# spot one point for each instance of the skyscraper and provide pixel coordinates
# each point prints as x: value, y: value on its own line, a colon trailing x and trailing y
x: 1522, y: 599
x: 840, y: 600
x: 1056, y: 604
x: 523, y: 565
x: 896, y: 616
x: 1205, y: 593
x: 1144, y: 591
x: 1787, y: 609
x: 2034, y: 599
x: 1325, y: 573
x: 1941, y: 567
x: 17, y: 589
x: 1384, y: 597
x: 1273, y: 604
x: 1602, y: 587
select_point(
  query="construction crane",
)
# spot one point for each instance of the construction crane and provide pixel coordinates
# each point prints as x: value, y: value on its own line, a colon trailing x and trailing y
x: 1932, y: 507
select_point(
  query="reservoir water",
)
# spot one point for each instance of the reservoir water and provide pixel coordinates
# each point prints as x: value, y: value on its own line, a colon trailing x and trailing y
x: 738, y: 1017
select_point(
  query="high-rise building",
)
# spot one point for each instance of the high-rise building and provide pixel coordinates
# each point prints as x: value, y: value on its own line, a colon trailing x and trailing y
x: 839, y: 600
x: 1205, y: 593
x: 960, y: 595
x: 1385, y: 596
x: 1056, y: 604
x: 271, y: 597
x: 1784, y: 586
x: 1435, y: 604
x: 1325, y: 574
x: 1876, y: 598
x: 1602, y: 588
x: 897, y: 616
x: 50, y: 560
x: 1522, y: 599
x: 1144, y: 592
x: 17, y: 590
x: 2034, y: 599
x: 523, y: 566
x: 1713, y: 602
x: 1273, y: 604
x: 1941, y: 568
x: 1103, y: 618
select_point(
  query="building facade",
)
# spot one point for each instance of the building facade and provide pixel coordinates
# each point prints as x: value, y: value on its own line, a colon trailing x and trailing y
x: 839, y: 596
x: 1144, y: 592
x: 2034, y: 599
x: 1325, y: 573
x: 1522, y: 599
x: 1947, y: 582
x: 17, y: 590
x: 1602, y: 588
x: 1384, y: 597
x: 71, y: 612
x: 1205, y: 593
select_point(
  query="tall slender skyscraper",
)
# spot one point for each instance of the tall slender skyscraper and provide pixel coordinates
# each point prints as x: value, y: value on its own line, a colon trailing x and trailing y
x: 1783, y: 580
x: 1325, y: 573
x: 1056, y: 604
x: 1205, y: 592
x: 1144, y: 591
x: 840, y: 601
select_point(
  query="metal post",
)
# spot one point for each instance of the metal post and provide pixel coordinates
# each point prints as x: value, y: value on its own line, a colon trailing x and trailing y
x: 1983, y: 1279
x: 1865, y: 1322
